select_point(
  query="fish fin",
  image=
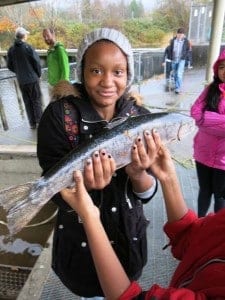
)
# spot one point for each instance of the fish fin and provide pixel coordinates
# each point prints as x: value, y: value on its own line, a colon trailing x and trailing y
x: 20, y: 210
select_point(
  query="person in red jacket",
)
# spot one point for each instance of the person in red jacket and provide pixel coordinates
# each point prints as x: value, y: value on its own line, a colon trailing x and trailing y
x: 199, y: 243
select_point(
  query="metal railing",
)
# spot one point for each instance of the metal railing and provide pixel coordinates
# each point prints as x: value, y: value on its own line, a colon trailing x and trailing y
x: 147, y: 63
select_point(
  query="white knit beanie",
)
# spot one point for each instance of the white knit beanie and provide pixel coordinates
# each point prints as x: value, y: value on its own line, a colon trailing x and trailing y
x: 106, y: 34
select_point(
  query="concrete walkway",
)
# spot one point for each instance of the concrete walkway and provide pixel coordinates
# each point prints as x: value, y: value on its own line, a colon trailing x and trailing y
x: 43, y: 284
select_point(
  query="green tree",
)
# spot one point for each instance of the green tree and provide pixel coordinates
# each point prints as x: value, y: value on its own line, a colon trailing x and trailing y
x: 136, y: 9
x: 74, y: 19
x: 86, y: 11
x: 172, y: 14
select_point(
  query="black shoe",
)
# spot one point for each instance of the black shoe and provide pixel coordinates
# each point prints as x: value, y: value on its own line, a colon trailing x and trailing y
x: 167, y: 89
x: 177, y: 92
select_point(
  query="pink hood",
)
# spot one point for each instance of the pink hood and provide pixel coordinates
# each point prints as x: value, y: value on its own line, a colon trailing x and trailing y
x: 217, y: 62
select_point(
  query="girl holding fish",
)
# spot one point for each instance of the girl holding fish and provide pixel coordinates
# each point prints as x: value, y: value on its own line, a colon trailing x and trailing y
x: 105, y: 69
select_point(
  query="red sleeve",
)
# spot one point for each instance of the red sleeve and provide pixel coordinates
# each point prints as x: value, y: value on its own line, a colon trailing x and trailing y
x: 175, y: 228
x: 158, y: 293
x: 179, y: 233
x: 133, y: 291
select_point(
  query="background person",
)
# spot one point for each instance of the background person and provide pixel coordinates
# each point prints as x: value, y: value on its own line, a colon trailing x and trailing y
x: 208, y: 112
x: 178, y: 53
x: 105, y: 68
x: 57, y: 59
x: 200, y: 273
x: 24, y: 61
x: 167, y: 64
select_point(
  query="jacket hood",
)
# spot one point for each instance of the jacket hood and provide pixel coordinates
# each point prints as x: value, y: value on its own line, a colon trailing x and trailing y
x: 55, y: 46
x: 220, y: 58
x: 64, y: 89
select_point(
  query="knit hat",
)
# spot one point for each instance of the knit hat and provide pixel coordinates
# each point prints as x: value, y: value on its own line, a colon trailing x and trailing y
x: 218, y: 61
x: 21, y: 32
x: 106, y: 34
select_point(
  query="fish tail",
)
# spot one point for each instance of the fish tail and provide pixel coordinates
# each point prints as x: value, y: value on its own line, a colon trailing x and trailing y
x: 15, y: 201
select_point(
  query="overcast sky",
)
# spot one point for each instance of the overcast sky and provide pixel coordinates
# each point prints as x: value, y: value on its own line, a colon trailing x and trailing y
x: 149, y: 4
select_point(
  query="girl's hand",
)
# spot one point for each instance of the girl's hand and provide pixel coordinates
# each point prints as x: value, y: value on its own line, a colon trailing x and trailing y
x: 143, y: 156
x: 79, y: 199
x: 98, y: 170
x: 163, y: 167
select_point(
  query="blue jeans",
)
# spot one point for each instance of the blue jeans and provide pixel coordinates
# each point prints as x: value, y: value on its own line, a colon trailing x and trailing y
x: 178, y: 70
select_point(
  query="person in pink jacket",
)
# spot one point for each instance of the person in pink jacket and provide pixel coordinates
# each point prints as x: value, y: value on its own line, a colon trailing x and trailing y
x: 201, y: 272
x: 208, y: 112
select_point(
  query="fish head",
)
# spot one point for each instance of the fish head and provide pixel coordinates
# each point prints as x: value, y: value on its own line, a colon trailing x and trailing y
x: 185, y: 128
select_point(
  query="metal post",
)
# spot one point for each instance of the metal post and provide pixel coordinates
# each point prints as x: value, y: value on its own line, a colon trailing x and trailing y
x: 215, y: 38
x: 3, y: 116
x: 139, y: 72
x: 190, y: 18
x: 19, y: 98
x: 198, y: 24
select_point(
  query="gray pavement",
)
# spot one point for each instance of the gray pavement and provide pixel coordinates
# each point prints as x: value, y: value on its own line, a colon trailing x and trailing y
x: 42, y: 283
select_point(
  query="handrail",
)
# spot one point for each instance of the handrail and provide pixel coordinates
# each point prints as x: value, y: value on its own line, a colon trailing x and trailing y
x: 9, y: 77
x: 14, y: 76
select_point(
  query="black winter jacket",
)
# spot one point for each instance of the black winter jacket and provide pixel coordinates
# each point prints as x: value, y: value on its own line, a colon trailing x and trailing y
x: 23, y: 60
x: 121, y: 211
x: 185, y: 49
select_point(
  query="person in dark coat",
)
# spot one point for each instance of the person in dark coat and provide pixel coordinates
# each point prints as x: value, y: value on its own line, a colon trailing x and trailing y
x: 24, y: 61
x: 105, y: 68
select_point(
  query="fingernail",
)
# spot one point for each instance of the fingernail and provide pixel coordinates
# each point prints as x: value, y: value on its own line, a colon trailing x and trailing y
x: 88, y: 162
x: 147, y: 132
x: 96, y: 154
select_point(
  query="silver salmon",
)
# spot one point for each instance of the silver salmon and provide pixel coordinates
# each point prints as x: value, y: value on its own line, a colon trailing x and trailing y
x: 22, y: 202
